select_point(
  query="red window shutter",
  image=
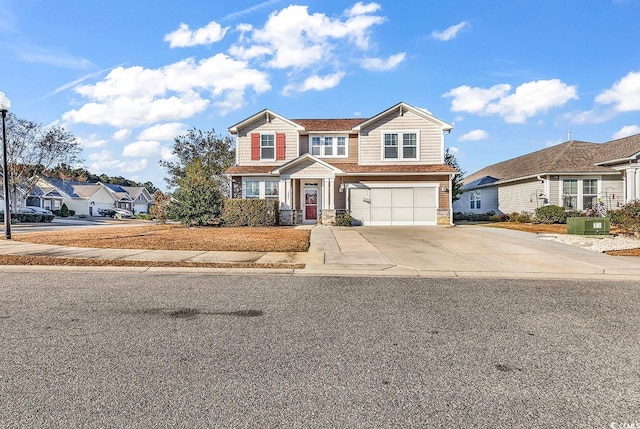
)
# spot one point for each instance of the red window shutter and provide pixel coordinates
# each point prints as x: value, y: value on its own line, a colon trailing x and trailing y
x: 255, y: 147
x: 280, y: 147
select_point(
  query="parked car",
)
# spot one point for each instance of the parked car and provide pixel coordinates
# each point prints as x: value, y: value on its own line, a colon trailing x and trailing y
x: 122, y: 212
x: 40, y: 210
x: 45, y: 215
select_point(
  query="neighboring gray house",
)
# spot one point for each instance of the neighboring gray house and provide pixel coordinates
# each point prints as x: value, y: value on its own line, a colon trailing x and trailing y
x: 574, y: 175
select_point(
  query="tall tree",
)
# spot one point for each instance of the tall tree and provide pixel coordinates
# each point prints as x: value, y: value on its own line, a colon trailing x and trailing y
x: 32, y: 149
x: 214, y: 152
x: 197, y: 200
x: 457, y: 181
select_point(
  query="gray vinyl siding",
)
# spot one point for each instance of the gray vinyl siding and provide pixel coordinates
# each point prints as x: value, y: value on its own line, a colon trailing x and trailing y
x: 519, y: 197
x: 431, y: 139
x: 488, y: 202
x: 612, y: 193
x: 261, y: 125
x: 554, y: 192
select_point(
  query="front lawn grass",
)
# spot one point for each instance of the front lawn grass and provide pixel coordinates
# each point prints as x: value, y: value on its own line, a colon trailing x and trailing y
x: 177, y: 237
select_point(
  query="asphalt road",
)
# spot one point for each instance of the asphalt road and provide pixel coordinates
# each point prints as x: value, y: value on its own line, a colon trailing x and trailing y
x: 139, y: 350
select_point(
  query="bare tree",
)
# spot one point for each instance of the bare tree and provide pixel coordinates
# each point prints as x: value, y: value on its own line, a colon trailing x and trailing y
x: 32, y: 149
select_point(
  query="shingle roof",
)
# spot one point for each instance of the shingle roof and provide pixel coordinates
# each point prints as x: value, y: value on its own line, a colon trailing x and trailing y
x: 570, y: 157
x: 329, y: 124
x: 618, y: 149
x: 382, y: 169
x: 250, y: 169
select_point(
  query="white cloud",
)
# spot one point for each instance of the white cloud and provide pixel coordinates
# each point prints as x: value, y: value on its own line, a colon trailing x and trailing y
x: 141, y: 148
x: 166, y: 154
x: 163, y: 132
x: 315, y: 83
x: 248, y: 11
x: 626, y: 131
x: 450, y: 32
x: 51, y: 57
x: 473, y: 135
x: 528, y: 99
x: 624, y: 94
x: 292, y: 37
x: 121, y: 134
x: 379, y: 64
x: 454, y: 150
x: 105, y: 162
x: 93, y: 141
x: 185, y: 37
x: 136, y: 96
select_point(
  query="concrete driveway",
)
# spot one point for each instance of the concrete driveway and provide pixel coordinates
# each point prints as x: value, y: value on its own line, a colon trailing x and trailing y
x: 466, y: 251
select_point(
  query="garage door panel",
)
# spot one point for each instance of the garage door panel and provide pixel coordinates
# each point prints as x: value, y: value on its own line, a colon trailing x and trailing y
x: 424, y: 214
x: 380, y: 197
x: 360, y: 206
x: 401, y: 214
x: 424, y: 197
x: 394, y: 206
x: 402, y: 197
x: 380, y: 214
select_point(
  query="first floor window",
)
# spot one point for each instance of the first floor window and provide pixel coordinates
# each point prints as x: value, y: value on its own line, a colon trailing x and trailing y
x: 570, y: 194
x: 267, y: 146
x: 400, y: 146
x: 475, y: 200
x: 251, y: 189
x: 271, y: 189
x: 589, y: 193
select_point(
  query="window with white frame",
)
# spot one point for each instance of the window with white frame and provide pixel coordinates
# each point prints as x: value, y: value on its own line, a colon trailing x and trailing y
x: 400, y: 145
x: 475, y: 200
x: 267, y: 146
x: 589, y: 193
x: 258, y: 188
x: 329, y: 146
x: 570, y: 194
x: 271, y: 189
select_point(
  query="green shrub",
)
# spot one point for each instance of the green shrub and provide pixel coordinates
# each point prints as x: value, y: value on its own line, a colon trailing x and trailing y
x: 344, y: 219
x: 250, y: 212
x: 551, y: 214
x: 144, y: 216
x: 64, y: 210
x: 627, y: 218
x: 474, y: 217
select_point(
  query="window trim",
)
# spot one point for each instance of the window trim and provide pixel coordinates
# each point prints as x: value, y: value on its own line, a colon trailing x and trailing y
x: 334, y: 145
x: 273, y: 147
x: 579, y: 195
x: 262, y: 188
x: 400, y: 139
x: 475, y: 200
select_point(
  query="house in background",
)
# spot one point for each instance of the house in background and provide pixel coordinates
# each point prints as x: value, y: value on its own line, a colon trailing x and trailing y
x: 385, y: 170
x: 573, y: 175
x: 86, y: 198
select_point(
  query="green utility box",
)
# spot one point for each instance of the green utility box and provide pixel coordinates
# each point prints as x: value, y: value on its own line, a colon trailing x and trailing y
x: 588, y: 225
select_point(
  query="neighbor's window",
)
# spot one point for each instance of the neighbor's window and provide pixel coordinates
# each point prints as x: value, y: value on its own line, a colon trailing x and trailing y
x: 328, y: 146
x: 570, y: 194
x: 251, y: 189
x: 475, y: 200
x: 409, y: 149
x: 589, y: 193
x: 267, y: 146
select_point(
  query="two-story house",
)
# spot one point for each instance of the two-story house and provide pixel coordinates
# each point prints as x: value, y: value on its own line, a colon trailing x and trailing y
x: 385, y: 170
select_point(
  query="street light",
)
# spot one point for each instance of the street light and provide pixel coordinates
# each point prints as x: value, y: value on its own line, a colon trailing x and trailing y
x: 4, y: 106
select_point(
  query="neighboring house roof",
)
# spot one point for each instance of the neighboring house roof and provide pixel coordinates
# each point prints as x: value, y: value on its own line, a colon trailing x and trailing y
x: 329, y: 124
x: 570, y: 157
x: 85, y: 191
x: 623, y: 149
x: 483, y: 181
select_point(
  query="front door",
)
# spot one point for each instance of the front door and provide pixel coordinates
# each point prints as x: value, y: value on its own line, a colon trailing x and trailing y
x: 310, y: 203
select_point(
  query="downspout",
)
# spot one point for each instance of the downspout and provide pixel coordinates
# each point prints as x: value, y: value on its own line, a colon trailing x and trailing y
x: 451, y: 175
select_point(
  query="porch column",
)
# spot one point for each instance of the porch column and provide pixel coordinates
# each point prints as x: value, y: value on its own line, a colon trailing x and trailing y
x: 332, y: 197
x: 285, y: 193
x: 325, y: 194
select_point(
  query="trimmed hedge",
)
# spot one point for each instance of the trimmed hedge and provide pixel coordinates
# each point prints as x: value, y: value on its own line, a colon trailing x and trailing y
x: 551, y: 214
x: 249, y: 212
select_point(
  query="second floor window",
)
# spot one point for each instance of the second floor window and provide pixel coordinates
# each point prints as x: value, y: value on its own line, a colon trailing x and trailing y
x: 329, y: 146
x: 399, y: 146
x: 267, y: 146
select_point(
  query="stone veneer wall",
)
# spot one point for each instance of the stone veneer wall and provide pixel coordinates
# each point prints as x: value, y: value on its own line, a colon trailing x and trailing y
x: 290, y: 217
x: 443, y: 217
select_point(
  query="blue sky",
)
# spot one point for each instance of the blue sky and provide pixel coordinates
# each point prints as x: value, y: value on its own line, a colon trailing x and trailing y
x: 512, y: 76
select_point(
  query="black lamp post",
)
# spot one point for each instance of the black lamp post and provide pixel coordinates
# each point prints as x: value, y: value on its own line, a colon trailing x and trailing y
x: 5, y: 104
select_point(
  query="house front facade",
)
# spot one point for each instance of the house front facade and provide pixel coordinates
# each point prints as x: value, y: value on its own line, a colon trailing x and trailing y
x: 574, y: 175
x: 385, y: 170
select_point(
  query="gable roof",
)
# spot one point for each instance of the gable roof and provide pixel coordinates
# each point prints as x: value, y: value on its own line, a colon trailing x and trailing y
x: 623, y: 149
x: 570, y: 157
x: 263, y: 113
x: 302, y: 158
x: 402, y: 107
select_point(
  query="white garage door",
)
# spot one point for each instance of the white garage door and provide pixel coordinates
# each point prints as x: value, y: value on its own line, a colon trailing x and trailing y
x: 394, y: 206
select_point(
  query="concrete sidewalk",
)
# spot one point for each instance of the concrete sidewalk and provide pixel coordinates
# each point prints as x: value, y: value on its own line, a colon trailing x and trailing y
x: 472, y: 252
